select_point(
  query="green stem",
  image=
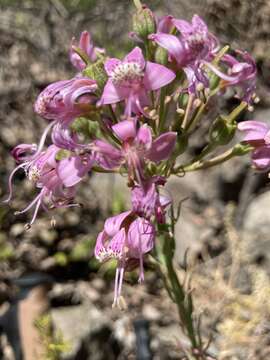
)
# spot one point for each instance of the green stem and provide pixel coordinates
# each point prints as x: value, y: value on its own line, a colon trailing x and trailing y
x: 162, y: 109
x: 194, y: 120
x: 189, y: 104
x: 82, y: 54
x: 165, y: 253
x: 137, y: 4
x: 113, y: 114
x: 198, y: 165
x: 236, y: 112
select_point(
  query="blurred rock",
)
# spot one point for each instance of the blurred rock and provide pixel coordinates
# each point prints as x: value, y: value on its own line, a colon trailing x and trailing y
x: 255, y: 234
x: 84, y: 328
x: 151, y: 313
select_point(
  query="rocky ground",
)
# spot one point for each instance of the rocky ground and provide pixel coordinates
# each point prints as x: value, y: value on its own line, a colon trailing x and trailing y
x: 224, y: 220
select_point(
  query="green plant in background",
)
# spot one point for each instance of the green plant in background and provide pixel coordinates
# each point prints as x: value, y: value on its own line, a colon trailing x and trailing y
x: 54, y: 344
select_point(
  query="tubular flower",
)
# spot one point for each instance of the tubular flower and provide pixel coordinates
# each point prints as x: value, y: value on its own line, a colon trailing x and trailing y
x: 64, y: 100
x: 242, y: 74
x: 188, y: 51
x: 148, y: 202
x: 64, y: 138
x: 126, y: 237
x: 56, y: 179
x: 137, y: 146
x: 86, y: 45
x: 257, y: 134
x: 131, y: 80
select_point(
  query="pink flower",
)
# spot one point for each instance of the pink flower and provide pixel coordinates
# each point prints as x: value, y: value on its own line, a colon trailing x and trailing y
x: 125, y: 238
x: 87, y: 46
x: 148, y: 202
x: 67, y: 99
x: 242, y: 74
x: 131, y: 80
x: 190, y: 49
x: 137, y: 147
x: 257, y: 134
x: 55, y: 179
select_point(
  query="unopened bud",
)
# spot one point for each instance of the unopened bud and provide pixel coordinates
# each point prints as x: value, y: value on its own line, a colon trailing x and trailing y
x: 256, y: 100
x: 167, y: 99
x: 97, y: 72
x: 222, y: 131
x: 53, y: 222
x: 27, y: 227
x: 180, y: 111
x: 144, y: 22
x: 152, y: 113
x: 200, y: 86
x: 197, y: 103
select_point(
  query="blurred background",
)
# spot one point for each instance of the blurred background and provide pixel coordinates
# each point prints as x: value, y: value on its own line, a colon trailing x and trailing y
x: 224, y: 222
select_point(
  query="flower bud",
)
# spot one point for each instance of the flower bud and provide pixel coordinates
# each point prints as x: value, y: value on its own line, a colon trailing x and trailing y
x: 64, y: 100
x: 144, y: 22
x: 221, y: 132
x: 97, y: 72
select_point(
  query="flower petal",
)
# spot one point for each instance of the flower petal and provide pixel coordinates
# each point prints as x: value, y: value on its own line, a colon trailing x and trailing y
x: 125, y: 129
x: 136, y: 56
x: 183, y: 26
x: 111, y: 64
x: 157, y: 76
x: 172, y: 44
x: 114, y: 223
x: 165, y: 24
x: 72, y: 170
x: 144, y: 136
x: 254, y: 130
x: 141, y: 236
x: 261, y: 158
x: 162, y: 147
x: 112, y: 94
x: 106, y: 155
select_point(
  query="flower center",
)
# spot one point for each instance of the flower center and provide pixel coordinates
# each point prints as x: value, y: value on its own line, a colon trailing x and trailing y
x: 128, y: 72
x: 196, y: 41
x: 34, y: 174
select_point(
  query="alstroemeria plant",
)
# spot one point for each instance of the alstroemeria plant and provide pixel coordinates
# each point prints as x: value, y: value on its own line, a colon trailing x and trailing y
x: 145, y: 108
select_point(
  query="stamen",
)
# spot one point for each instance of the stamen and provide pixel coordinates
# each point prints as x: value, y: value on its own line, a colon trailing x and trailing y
x: 30, y: 205
x: 10, y: 181
x: 43, y: 138
x: 127, y: 72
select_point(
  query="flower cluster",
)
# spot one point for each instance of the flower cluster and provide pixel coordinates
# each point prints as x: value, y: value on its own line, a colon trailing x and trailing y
x: 144, y: 108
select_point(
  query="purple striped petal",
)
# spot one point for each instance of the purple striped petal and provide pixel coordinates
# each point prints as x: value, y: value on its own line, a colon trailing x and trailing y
x: 261, y: 158
x: 113, y: 224
x: 254, y: 130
